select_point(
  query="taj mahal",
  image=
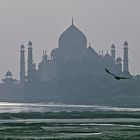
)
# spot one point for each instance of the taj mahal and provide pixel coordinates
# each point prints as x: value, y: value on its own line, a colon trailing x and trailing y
x: 73, y: 56
x: 64, y: 72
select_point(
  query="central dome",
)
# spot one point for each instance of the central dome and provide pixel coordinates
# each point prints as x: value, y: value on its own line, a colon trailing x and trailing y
x: 72, y: 39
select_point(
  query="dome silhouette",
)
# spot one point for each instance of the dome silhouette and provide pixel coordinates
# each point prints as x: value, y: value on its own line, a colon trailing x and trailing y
x: 118, y: 60
x: 22, y: 46
x: 107, y: 56
x: 90, y: 53
x: 72, y: 39
x: 8, y: 74
x: 126, y: 43
x: 113, y: 46
x: 29, y: 43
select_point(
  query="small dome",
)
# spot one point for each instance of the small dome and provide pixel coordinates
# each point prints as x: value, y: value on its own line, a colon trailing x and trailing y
x: 126, y: 43
x: 22, y: 46
x: 118, y: 60
x: 90, y: 53
x: 29, y: 43
x: 8, y: 74
x: 113, y: 46
x: 72, y: 38
x: 107, y: 59
x: 107, y: 55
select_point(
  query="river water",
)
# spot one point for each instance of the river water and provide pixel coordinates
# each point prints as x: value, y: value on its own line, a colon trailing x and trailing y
x: 14, y: 126
x: 7, y: 107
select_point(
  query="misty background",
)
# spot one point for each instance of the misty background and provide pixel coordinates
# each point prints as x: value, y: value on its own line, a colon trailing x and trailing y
x: 42, y: 21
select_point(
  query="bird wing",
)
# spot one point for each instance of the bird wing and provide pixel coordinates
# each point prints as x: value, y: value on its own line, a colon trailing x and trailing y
x: 117, y: 77
x: 124, y: 77
x: 109, y: 72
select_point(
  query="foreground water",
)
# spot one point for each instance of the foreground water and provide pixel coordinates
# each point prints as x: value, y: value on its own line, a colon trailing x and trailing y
x: 67, y: 122
x: 54, y: 107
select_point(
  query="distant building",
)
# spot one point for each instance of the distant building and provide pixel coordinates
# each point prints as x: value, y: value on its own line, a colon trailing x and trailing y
x: 9, y: 79
x: 73, y: 56
x: 72, y: 70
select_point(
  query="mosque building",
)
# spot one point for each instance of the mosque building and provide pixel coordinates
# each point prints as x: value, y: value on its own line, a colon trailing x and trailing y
x: 73, y: 56
x: 73, y: 73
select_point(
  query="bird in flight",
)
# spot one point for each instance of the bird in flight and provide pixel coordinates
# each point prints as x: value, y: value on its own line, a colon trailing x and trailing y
x: 115, y: 76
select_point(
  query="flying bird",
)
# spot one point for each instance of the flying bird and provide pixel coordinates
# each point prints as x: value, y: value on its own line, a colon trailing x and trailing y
x: 115, y: 76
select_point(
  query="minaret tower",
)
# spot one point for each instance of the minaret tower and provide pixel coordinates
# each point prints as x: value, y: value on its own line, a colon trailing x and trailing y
x: 22, y: 65
x: 113, y: 53
x: 125, y: 58
x: 30, y: 59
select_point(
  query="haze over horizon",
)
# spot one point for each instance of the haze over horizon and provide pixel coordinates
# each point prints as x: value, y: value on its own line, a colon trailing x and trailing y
x: 42, y: 22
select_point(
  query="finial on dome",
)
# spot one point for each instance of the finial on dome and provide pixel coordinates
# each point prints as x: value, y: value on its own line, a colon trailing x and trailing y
x: 102, y: 52
x: 89, y: 44
x: 72, y: 20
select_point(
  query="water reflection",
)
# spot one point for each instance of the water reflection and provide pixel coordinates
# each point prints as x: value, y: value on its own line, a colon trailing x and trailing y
x: 54, y: 107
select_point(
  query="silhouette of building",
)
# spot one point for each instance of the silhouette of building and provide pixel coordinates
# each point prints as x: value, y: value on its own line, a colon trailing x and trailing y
x: 73, y: 58
x: 9, y: 79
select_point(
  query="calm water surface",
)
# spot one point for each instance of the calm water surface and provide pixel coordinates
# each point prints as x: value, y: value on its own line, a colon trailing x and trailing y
x: 6, y: 107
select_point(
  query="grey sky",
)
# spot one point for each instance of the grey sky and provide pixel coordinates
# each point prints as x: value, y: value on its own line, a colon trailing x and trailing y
x: 42, y: 21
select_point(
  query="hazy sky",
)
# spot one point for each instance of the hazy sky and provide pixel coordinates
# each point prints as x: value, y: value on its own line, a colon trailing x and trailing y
x: 42, y: 21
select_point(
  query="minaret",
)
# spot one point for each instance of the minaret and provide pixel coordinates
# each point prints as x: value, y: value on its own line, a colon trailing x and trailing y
x: 113, y: 53
x: 22, y: 65
x: 125, y: 58
x: 30, y: 59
